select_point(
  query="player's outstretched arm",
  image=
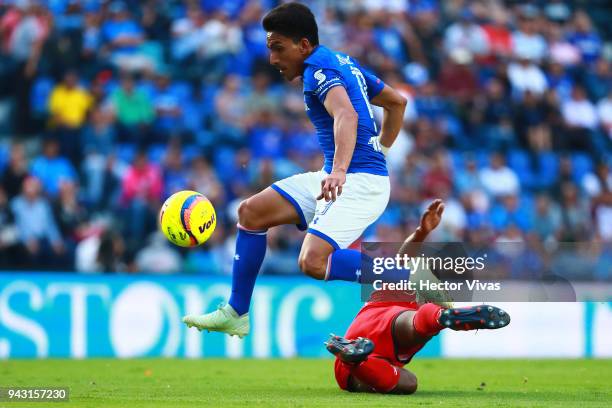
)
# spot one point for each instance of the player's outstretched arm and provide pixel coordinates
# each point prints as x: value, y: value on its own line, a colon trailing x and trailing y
x: 430, y: 219
x: 339, y: 106
x: 394, y: 106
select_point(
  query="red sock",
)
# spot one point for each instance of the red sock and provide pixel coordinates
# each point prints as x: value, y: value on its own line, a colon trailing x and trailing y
x: 377, y: 373
x: 426, y: 320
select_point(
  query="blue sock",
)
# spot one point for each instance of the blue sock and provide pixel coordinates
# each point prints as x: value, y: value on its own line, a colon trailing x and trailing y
x: 350, y: 265
x: 250, y: 252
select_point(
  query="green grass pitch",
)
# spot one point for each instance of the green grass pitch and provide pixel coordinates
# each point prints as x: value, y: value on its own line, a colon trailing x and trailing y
x: 310, y: 383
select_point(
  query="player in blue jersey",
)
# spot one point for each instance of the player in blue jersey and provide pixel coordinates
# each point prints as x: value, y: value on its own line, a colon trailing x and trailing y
x: 335, y: 204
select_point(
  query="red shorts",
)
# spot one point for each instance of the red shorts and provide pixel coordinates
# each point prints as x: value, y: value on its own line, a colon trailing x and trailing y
x: 375, y: 321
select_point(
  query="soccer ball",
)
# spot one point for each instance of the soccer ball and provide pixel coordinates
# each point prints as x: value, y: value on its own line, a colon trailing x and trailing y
x: 187, y: 218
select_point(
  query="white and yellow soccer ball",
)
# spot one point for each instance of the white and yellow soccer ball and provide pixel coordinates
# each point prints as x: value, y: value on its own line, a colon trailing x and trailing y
x: 187, y: 218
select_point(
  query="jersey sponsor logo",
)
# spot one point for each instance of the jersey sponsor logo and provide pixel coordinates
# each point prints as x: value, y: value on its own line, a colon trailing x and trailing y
x: 322, y: 88
x: 319, y: 76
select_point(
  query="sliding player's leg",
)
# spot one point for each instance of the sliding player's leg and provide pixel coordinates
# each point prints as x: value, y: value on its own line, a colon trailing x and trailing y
x: 405, y: 381
x: 357, y: 370
x: 413, y: 328
x: 255, y: 215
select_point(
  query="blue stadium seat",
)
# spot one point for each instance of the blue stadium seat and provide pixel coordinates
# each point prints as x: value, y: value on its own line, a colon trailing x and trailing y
x: 111, y: 86
x: 224, y: 162
x: 190, y: 152
x: 157, y: 152
x: 482, y: 158
x: 518, y: 160
x: 147, y: 88
x: 457, y: 160
x: 4, y: 155
x: 126, y: 152
x: 41, y: 90
x: 582, y: 165
x: 549, y: 169
x: 182, y: 89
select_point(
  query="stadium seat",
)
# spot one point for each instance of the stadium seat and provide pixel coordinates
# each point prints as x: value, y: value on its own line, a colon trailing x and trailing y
x: 582, y: 164
x: 40, y: 95
x: 157, y: 153
x: 126, y: 152
x: 224, y: 162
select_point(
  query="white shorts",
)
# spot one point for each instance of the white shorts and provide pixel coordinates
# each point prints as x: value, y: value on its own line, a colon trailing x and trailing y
x: 341, y: 222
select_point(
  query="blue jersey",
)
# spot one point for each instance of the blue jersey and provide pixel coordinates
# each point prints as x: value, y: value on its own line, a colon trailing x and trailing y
x: 325, y: 69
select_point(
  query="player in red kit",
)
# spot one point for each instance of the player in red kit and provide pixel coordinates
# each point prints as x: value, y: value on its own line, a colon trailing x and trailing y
x: 391, y: 328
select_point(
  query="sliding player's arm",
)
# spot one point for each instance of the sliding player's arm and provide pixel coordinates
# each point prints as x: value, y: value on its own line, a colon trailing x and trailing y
x: 339, y: 106
x: 393, y: 105
x: 429, y: 221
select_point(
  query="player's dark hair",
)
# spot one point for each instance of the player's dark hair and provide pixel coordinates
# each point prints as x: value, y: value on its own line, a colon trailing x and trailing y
x: 293, y: 20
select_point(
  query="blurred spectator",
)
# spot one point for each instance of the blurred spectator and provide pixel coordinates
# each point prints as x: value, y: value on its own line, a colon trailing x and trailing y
x: 101, y: 181
x: 134, y: 112
x: 580, y: 118
x: 466, y: 35
x: 98, y: 137
x: 91, y: 36
x: 527, y: 42
x: 154, y: 20
x: 71, y: 216
x: 575, y: 214
x: 437, y: 177
x: 8, y: 233
x: 141, y: 193
x: 230, y: 105
x: 498, y: 133
x: 218, y: 41
x: 25, y: 28
x: 578, y: 111
x: 168, y: 112
x: 498, y: 179
x: 604, y: 114
x: 101, y: 254
x: 202, y: 178
x: 52, y: 169
x: 158, y: 257
x: 561, y: 51
x: 525, y: 76
x: 122, y: 38
x: 468, y: 181
x: 585, y: 38
x: 260, y: 98
x: 186, y: 32
x: 174, y: 172
x: 456, y: 79
x: 547, y: 218
x: 42, y: 245
x: 598, y: 186
x: 499, y: 37
x: 69, y: 105
x: 16, y: 172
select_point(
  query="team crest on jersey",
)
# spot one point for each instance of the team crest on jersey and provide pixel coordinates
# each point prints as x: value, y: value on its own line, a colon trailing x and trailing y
x: 344, y: 60
x: 319, y: 76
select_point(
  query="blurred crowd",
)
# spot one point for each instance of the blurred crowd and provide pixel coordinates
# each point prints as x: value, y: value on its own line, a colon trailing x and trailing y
x: 108, y: 107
